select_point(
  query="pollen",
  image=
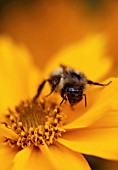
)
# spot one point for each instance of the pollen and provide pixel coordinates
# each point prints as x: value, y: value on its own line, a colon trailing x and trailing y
x: 35, y: 123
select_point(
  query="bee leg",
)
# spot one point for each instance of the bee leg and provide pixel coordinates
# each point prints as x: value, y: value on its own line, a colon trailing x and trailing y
x: 52, y: 89
x: 54, y: 84
x: 96, y: 83
x: 39, y: 90
x: 85, y: 99
x: 63, y: 96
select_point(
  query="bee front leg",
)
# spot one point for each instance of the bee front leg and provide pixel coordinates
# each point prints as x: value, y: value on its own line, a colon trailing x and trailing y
x: 63, y: 96
x: 39, y: 90
x: 54, y: 81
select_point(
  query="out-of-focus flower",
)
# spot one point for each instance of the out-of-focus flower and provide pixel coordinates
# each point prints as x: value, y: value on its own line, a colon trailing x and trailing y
x: 110, y: 165
x: 43, y: 135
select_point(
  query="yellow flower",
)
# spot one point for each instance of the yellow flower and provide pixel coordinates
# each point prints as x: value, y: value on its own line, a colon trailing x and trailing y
x: 42, y: 135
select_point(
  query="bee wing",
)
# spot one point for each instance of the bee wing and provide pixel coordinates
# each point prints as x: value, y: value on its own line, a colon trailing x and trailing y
x: 64, y: 69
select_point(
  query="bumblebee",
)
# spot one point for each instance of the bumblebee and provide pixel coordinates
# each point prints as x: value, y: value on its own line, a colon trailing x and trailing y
x: 69, y: 83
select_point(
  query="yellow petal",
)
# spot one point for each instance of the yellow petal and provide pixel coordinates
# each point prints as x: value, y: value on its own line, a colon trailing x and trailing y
x: 21, y: 159
x: 87, y: 56
x: 101, y: 142
x: 110, y: 119
x: 63, y: 158
x: 37, y: 161
x: 106, y: 104
x: 18, y: 76
x: 7, y: 155
x: 31, y: 159
x: 4, y: 131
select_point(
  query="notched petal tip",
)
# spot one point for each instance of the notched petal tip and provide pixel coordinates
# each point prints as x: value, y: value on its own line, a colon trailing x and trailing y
x: 62, y: 158
x: 21, y: 159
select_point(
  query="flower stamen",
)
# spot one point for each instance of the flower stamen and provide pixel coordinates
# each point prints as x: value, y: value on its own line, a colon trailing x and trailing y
x: 35, y: 123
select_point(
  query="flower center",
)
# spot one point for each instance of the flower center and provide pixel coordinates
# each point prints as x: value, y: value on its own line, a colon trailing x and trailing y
x: 35, y: 123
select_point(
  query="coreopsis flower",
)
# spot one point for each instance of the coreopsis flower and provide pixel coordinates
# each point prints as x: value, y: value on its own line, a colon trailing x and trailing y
x: 44, y: 135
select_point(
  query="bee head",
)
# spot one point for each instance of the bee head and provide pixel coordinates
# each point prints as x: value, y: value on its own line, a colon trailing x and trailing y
x: 74, y: 94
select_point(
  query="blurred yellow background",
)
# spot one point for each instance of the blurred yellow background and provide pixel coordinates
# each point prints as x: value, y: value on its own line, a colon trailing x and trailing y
x: 46, y: 26
x: 49, y: 25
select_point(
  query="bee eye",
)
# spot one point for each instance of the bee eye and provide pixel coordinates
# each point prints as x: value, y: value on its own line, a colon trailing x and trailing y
x: 72, y: 90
